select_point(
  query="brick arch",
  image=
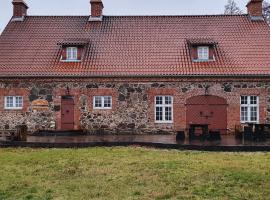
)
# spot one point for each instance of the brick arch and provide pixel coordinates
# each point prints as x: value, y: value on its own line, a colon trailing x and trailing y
x: 206, y: 99
x: 207, y: 109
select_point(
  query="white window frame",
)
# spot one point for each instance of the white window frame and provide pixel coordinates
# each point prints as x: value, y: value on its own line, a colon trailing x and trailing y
x: 14, y: 107
x: 203, y: 52
x: 73, y: 52
x: 163, y: 105
x: 102, y: 103
x: 249, y: 106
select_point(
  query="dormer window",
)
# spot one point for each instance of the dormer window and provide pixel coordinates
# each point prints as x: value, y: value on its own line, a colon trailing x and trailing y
x: 72, y: 54
x: 203, y: 52
x: 73, y: 49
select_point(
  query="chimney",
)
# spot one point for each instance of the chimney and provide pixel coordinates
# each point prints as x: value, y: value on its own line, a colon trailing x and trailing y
x: 19, y: 10
x: 96, y: 10
x: 254, y: 8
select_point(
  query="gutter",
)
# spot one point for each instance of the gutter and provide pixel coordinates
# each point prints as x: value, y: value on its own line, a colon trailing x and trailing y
x: 141, y: 76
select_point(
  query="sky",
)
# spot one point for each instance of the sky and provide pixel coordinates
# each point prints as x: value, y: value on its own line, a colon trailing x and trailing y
x: 119, y: 7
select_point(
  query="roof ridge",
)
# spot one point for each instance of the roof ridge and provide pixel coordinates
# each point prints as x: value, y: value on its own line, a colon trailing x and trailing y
x: 207, y: 15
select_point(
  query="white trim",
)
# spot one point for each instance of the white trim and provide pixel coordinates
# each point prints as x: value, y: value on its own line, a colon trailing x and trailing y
x: 18, y: 19
x: 69, y: 60
x: 95, y: 19
x: 249, y: 105
x: 163, y: 105
x: 102, y: 103
x: 14, y: 103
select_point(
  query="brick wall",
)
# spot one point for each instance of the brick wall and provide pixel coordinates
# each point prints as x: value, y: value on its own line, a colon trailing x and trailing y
x: 133, y: 102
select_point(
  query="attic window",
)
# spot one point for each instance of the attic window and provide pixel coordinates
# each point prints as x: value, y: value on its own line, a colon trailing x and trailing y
x: 202, y: 49
x: 203, y: 52
x: 72, y: 53
x: 73, y: 49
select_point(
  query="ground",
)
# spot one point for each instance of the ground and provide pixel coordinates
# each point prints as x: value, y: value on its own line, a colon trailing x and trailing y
x: 132, y: 173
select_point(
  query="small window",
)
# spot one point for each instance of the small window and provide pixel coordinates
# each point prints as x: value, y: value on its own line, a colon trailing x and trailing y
x: 249, y: 109
x: 13, y: 102
x: 203, y: 53
x: 102, y: 102
x: 72, y: 53
x: 164, y: 109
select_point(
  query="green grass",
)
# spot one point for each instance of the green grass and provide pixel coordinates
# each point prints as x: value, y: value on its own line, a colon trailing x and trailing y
x: 132, y: 173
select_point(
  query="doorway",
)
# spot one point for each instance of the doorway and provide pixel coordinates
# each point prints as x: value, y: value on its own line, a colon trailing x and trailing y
x: 207, y: 109
x: 67, y: 113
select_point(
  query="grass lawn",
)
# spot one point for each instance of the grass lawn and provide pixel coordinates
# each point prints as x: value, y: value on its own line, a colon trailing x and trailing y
x: 132, y: 173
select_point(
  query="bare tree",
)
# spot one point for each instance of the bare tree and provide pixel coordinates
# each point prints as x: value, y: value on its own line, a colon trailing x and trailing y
x: 266, y: 11
x: 232, y: 9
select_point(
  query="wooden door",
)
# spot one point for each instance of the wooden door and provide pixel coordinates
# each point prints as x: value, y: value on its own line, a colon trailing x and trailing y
x: 211, y: 110
x: 67, y: 113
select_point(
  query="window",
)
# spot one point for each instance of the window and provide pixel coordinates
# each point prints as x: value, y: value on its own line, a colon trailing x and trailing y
x: 249, y: 109
x: 203, y: 53
x: 72, y: 53
x: 102, y: 102
x: 13, y: 102
x: 164, y: 109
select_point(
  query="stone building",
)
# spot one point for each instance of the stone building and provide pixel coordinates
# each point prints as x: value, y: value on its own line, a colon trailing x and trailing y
x: 134, y: 74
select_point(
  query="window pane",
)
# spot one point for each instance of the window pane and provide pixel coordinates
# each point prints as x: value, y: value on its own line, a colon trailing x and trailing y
x: 253, y: 114
x: 72, y: 53
x: 168, y: 100
x: 244, y: 114
x: 18, y: 102
x: 168, y: 113
x: 107, y: 102
x: 253, y: 100
x: 244, y: 100
x: 249, y: 112
x: 159, y: 114
x: 159, y: 100
x: 203, y: 53
x: 9, y: 102
x: 98, y: 102
x: 69, y: 53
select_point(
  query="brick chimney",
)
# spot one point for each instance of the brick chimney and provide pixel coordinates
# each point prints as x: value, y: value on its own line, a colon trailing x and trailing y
x: 19, y: 9
x: 254, y: 8
x: 96, y: 10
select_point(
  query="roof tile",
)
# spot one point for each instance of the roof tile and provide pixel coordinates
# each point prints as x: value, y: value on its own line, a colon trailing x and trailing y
x: 134, y: 46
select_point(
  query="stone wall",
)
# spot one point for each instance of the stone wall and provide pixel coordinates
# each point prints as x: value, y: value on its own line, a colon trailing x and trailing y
x: 133, y: 103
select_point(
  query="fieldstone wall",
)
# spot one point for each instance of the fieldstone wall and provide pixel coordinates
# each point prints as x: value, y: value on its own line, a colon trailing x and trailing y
x: 133, y: 103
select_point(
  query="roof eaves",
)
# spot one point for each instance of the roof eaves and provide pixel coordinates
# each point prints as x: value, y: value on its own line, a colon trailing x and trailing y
x: 142, y: 76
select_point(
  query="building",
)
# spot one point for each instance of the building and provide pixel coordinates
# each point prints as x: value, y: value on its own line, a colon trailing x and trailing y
x: 134, y: 74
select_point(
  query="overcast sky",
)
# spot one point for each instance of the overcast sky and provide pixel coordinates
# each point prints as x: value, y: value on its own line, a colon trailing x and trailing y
x: 119, y: 7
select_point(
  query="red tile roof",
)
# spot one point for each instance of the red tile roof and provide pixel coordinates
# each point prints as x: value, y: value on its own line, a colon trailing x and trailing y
x: 135, y: 46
